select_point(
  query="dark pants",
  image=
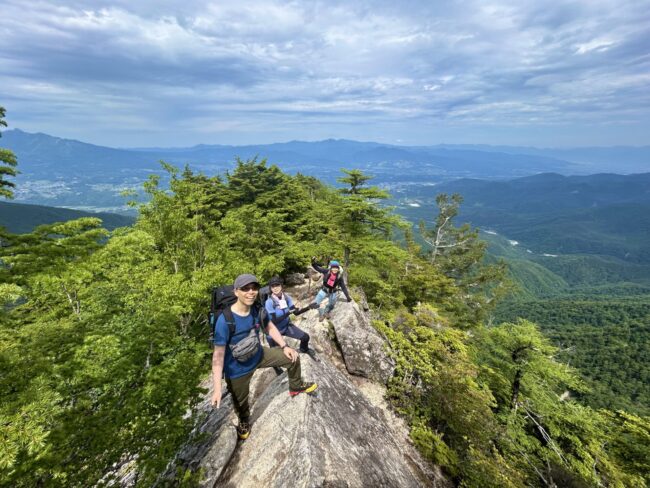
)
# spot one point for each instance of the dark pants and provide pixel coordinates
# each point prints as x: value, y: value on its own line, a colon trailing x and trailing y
x: 295, y: 333
x: 240, y: 387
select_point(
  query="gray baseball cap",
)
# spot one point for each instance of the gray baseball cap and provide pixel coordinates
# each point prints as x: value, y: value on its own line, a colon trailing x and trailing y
x: 245, y: 279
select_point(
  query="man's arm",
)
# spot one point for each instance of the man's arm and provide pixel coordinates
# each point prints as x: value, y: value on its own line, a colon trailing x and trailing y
x: 273, y: 331
x: 218, y: 355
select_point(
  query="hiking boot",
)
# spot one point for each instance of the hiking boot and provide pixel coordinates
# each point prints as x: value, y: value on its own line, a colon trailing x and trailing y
x: 304, y: 388
x: 310, y: 352
x: 278, y: 371
x: 243, y: 430
x: 321, y: 318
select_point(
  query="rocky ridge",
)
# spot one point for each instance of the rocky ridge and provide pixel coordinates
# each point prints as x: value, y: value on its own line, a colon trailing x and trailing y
x: 344, y: 436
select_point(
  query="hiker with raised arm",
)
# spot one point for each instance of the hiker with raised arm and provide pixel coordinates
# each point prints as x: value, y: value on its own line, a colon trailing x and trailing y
x: 332, y: 281
x: 279, y: 307
x: 238, y: 352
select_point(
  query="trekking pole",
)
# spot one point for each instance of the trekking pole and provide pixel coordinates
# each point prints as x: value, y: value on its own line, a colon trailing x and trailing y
x: 308, y: 284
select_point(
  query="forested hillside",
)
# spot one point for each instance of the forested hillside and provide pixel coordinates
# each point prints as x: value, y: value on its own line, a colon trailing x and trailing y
x: 603, y: 215
x: 577, y: 256
x: 103, y: 336
x: 20, y: 218
x: 608, y: 340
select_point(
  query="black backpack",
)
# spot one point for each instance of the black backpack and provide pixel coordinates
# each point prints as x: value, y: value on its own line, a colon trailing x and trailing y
x: 223, y: 297
x: 264, y: 294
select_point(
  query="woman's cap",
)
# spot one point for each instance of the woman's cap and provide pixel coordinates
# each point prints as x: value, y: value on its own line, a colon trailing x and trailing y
x: 276, y: 280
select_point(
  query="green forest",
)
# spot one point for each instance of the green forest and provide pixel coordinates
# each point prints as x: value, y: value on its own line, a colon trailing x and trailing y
x: 606, y: 339
x: 103, y: 335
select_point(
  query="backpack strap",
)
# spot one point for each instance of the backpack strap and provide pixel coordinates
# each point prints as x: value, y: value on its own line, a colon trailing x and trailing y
x: 230, y: 320
x: 257, y: 313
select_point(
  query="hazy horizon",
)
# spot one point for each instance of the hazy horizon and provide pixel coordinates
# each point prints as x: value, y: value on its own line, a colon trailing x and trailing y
x: 469, y: 144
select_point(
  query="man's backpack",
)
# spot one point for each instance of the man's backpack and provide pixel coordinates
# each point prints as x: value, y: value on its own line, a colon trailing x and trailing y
x: 222, y: 297
x: 264, y: 294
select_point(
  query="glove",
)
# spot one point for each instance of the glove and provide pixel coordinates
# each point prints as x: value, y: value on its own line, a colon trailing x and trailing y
x: 313, y: 306
x: 349, y: 300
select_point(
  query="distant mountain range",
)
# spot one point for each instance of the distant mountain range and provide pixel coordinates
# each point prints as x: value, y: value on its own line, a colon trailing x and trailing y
x: 53, y: 156
x: 64, y: 172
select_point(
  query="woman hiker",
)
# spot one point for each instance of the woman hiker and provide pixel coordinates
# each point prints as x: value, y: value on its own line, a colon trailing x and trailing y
x: 279, y: 307
x: 332, y: 281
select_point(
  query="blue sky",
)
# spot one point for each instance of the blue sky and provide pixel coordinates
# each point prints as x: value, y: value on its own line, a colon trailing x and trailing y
x: 178, y: 73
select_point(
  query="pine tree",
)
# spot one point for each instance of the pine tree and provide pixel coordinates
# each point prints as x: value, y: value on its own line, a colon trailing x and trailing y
x: 8, y: 164
x: 459, y: 254
x: 361, y: 215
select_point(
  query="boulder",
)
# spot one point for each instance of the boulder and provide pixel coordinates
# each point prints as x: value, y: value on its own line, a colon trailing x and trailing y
x: 362, y: 300
x: 212, y: 442
x: 363, y: 348
x: 294, y: 279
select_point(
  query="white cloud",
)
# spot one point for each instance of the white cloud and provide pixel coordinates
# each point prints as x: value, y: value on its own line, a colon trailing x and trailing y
x: 601, y: 44
x: 343, y: 64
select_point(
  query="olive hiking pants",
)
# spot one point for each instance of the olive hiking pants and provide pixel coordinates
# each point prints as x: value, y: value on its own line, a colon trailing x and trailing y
x: 240, y: 387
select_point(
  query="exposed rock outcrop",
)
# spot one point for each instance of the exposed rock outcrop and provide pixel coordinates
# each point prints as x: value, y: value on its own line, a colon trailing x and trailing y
x: 216, y: 437
x: 294, y: 279
x: 345, y: 436
x: 362, y: 347
x: 337, y: 438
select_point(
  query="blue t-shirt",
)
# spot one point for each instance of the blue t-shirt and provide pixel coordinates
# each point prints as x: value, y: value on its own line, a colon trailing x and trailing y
x: 281, y: 318
x: 231, y: 367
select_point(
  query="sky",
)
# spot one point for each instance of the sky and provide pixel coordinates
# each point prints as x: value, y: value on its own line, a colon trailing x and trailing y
x: 178, y: 73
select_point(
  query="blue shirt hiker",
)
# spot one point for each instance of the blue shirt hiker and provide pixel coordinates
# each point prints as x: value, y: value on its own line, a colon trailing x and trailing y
x: 233, y: 368
x: 279, y: 307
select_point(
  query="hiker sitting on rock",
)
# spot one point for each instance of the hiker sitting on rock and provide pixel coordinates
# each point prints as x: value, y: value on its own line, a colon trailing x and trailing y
x: 279, y: 307
x: 238, y: 352
x: 332, y: 281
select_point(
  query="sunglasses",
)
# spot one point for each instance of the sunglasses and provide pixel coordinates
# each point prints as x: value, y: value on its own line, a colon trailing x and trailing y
x: 248, y: 288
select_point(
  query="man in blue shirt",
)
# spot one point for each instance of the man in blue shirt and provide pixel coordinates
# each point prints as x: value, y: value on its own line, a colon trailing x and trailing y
x: 238, y: 374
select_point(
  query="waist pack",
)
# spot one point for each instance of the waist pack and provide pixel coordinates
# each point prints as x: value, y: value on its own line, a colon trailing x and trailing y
x: 247, y: 347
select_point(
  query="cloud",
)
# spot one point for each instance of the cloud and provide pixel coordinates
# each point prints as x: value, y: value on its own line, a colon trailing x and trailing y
x: 246, y: 72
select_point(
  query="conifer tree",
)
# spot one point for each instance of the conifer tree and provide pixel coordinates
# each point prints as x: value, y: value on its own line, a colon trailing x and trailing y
x: 361, y: 215
x: 8, y: 164
x: 459, y: 254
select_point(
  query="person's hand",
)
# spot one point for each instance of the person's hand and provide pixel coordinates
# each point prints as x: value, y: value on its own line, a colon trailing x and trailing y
x: 349, y: 300
x: 290, y: 353
x: 216, y: 396
x: 314, y: 305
